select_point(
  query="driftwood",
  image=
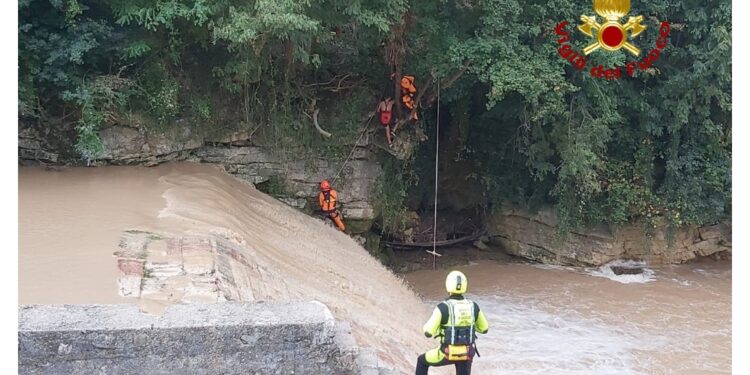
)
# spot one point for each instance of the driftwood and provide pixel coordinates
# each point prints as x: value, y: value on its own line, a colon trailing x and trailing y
x: 317, y: 126
x: 471, y: 237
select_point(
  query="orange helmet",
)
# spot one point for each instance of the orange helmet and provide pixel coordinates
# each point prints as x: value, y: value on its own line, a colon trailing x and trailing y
x: 325, y: 185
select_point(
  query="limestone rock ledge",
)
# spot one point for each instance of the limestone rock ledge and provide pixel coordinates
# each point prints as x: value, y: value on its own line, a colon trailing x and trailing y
x: 32, y: 148
x: 534, y: 236
x: 237, y: 153
x: 301, y: 177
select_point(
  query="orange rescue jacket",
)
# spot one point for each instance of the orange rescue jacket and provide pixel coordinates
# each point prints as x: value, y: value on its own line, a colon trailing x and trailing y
x: 407, y: 85
x: 407, y: 91
x: 327, y: 200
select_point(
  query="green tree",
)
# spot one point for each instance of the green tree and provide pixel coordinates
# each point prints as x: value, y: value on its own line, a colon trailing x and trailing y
x: 537, y: 130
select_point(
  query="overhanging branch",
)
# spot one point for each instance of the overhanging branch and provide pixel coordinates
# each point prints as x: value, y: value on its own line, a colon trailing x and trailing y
x: 317, y: 126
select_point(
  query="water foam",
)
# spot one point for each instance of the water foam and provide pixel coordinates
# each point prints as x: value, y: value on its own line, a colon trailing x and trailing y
x: 606, y: 271
x: 525, y: 339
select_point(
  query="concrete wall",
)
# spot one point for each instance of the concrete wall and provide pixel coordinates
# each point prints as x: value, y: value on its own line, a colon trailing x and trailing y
x: 225, y: 338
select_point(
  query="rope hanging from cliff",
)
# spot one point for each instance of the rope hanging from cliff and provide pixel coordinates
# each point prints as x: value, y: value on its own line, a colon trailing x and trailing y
x: 353, y: 148
x: 437, y: 152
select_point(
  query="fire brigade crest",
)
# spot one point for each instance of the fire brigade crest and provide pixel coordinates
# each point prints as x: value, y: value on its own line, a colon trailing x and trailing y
x: 612, y: 35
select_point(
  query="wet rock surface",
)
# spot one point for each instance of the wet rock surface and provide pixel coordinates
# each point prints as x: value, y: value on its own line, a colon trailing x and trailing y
x: 620, y: 270
x: 300, y: 177
x: 165, y: 271
x: 534, y: 236
x: 32, y: 149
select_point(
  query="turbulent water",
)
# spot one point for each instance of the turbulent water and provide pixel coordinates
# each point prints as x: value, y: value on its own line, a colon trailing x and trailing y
x: 559, y: 320
x: 71, y: 221
x: 544, y: 320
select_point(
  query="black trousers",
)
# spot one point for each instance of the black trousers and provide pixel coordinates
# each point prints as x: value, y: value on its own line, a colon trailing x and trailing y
x: 462, y: 367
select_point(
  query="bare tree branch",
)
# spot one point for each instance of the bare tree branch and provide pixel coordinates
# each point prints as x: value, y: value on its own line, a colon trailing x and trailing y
x: 444, y: 84
x: 340, y: 78
x: 345, y: 82
x: 317, y: 126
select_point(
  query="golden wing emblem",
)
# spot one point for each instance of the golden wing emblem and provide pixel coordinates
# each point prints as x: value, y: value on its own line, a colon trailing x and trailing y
x: 612, y: 9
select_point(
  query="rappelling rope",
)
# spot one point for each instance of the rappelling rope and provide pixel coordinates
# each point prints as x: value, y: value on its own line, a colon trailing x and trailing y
x: 437, y: 150
x: 353, y: 148
x: 437, y: 153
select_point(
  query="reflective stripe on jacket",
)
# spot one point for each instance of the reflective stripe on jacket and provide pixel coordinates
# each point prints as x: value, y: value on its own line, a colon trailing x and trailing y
x: 457, y: 311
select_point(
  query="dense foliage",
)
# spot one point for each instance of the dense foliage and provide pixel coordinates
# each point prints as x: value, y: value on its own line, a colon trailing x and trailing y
x: 537, y: 130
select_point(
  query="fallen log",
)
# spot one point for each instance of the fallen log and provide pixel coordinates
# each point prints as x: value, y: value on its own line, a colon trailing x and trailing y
x: 317, y: 126
x: 455, y: 241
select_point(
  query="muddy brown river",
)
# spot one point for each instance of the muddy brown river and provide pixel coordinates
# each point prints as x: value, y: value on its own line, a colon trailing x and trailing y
x: 69, y: 224
x: 544, y: 320
x: 562, y: 320
x: 72, y: 221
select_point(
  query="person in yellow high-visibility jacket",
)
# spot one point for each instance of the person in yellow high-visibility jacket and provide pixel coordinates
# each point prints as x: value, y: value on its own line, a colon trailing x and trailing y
x: 455, y: 321
x: 328, y: 199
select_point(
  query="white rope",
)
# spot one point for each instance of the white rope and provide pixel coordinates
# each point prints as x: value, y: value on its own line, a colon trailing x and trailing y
x: 356, y: 143
x: 437, y: 150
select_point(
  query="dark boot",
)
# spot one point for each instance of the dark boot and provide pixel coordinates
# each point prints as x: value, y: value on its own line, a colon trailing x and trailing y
x: 422, y: 366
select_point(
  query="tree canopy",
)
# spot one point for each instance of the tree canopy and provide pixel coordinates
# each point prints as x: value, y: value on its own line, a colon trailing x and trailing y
x: 538, y: 130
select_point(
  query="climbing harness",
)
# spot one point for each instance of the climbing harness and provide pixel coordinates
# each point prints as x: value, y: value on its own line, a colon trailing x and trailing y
x: 458, y: 339
x: 330, y: 207
x: 434, y: 215
x: 327, y: 200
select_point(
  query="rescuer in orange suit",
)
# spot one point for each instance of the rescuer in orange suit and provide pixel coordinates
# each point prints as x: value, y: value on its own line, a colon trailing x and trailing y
x: 408, y: 91
x: 327, y: 199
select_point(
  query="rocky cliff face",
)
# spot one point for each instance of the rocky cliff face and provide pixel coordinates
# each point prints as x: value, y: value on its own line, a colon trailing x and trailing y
x: 298, y: 176
x: 530, y: 235
x: 534, y: 236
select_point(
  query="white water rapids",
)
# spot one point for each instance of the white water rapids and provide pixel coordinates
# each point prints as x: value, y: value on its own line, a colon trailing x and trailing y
x: 564, y: 320
x: 544, y: 320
